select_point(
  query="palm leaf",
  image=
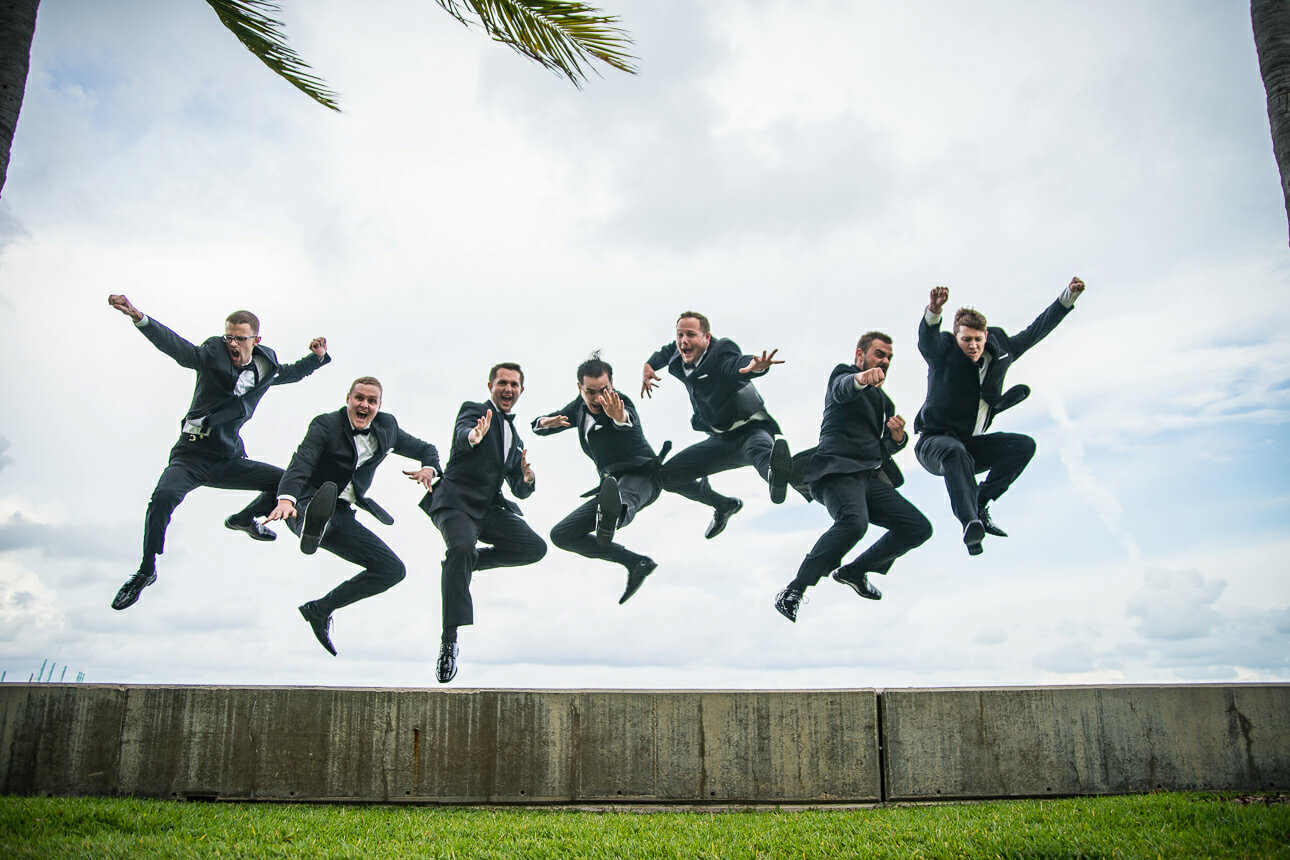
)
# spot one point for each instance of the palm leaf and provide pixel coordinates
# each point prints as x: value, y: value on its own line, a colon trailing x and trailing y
x: 562, y: 35
x: 250, y: 21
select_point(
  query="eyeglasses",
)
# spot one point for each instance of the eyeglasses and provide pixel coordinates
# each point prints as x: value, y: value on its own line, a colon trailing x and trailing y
x: 240, y: 338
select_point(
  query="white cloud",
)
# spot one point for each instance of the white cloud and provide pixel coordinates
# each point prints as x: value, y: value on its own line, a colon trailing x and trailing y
x: 1176, y: 605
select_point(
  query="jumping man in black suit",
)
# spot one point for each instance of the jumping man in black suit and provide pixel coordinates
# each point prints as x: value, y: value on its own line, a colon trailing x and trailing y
x: 609, y: 430
x: 467, y: 505
x: 853, y: 475
x: 329, y: 476
x: 233, y: 373
x: 728, y: 408
x: 965, y: 372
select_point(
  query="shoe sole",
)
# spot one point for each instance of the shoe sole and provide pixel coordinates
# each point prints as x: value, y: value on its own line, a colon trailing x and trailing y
x: 254, y: 533
x: 117, y: 602
x: 317, y: 514
x: 608, y: 506
x: 781, y: 464
x: 972, y: 537
x: 713, y: 531
x: 327, y: 646
x: 871, y: 594
x: 632, y: 589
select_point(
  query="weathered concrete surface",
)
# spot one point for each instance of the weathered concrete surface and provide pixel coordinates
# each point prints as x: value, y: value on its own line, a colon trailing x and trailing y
x: 638, y: 747
x: 445, y: 746
x: 1036, y: 741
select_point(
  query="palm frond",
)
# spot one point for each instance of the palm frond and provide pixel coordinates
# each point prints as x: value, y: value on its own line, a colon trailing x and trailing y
x: 562, y: 35
x: 262, y: 35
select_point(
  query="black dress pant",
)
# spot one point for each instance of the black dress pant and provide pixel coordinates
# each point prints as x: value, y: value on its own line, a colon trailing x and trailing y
x: 685, y: 473
x: 1004, y: 455
x: 346, y: 537
x: 575, y: 532
x: 512, y: 542
x: 854, y: 501
x: 190, y: 467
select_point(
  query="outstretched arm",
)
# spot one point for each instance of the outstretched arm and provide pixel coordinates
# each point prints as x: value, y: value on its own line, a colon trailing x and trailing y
x: 298, y: 370
x: 122, y: 304
x: 929, y: 327
x: 184, y: 353
x: 761, y: 364
x: 554, y: 422
x: 1046, y: 321
x: 649, y: 378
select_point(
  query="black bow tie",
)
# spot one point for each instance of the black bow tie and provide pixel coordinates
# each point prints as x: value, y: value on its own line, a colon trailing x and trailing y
x: 363, y: 432
x: 688, y: 366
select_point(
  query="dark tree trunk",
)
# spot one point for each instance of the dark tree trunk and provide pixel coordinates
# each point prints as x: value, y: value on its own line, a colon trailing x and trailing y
x: 1271, y: 20
x: 17, y: 28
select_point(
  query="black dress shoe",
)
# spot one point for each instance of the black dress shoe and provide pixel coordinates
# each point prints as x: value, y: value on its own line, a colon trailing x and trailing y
x: 135, y: 585
x: 257, y: 530
x: 721, y: 516
x: 973, y: 534
x: 787, y: 602
x: 319, y: 511
x: 989, y: 524
x: 781, y: 469
x: 446, y: 667
x: 320, y: 622
x: 636, y: 577
x: 609, y: 505
x: 859, y: 583
x: 1011, y: 398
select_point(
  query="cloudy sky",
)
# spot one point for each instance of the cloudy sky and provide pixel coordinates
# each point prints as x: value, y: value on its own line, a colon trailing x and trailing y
x: 799, y: 171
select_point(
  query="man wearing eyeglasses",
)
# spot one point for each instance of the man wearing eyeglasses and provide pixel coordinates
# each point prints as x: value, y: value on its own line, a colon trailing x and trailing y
x: 233, y: 373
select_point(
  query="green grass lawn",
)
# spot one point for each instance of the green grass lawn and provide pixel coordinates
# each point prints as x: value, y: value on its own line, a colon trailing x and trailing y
x: 1157, y: 825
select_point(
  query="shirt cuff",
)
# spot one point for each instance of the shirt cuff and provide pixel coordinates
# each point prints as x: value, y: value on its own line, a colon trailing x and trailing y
x: 143, y: 322
x: 860, y: 386
x: 1067, y: 298
x: 291, y: 499
x: 931, y: 318
x: 626, y: 423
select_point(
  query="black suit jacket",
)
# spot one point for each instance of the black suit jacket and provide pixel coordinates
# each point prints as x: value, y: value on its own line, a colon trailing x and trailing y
x: 615, y: 450
x: 213, y: 395
x: 853, y: 433
x: 472, y: 480
x: 954, y: 384
x: 328, y: 453
x: 719, y: 393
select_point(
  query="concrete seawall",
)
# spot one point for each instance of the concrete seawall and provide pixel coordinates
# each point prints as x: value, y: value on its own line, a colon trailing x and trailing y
x: 633, y: 747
